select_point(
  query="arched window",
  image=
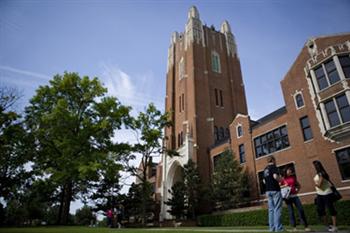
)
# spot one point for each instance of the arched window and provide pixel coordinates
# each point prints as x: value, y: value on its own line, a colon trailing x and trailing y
x: 299, y: 101
x: 215, y: 62
x: 239, y: 131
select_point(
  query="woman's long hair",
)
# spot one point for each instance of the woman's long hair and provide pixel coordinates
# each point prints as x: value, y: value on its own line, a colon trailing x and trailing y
x: 320, y: 169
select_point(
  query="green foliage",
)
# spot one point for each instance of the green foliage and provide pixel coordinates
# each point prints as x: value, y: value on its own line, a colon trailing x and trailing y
x: 14, y: 146
x: 177, y: 202
x: 73, y: 122
x: 260, y: 217
x: 149, y: 126
x: 193, y: 188
x: 84, y: 216
x: 229, y: 183
x: 139, y: 202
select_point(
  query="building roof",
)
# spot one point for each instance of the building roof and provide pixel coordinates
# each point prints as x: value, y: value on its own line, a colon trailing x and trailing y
x: 270, y: 116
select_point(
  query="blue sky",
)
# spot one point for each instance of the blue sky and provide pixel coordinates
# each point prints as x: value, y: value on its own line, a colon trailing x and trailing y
x: 125, y: 43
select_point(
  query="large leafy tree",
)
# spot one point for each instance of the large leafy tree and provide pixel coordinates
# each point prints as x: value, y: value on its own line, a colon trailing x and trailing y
x: 14, y: 145
x: 229, y: 182
x: 148, y: 126
x: 73, y: 122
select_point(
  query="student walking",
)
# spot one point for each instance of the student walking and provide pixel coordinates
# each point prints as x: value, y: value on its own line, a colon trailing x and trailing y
x: 273, y: 193
x: 290, y: 180
x: 324, y: 196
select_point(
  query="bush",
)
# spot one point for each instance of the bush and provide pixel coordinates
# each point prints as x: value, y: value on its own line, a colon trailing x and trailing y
x: 260, y: 217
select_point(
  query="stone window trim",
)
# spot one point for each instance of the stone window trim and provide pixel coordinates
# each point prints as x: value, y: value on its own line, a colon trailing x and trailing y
x: 324, y: 111
x: 215, y: 62
x: 312, y: 74
x: 295, y: 97
x: 239, y: 131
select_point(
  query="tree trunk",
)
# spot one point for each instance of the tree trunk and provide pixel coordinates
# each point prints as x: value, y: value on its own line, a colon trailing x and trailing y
x: 65, y: 204
x: 58, y: 222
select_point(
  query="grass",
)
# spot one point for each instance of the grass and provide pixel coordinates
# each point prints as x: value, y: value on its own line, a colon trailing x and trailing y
x: 146, y: 230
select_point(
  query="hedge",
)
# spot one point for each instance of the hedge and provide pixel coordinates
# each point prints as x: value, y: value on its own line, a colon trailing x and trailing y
x: 260, y: 217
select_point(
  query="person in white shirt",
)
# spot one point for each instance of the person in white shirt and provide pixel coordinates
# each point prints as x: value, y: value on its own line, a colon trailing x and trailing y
x: 324, y: 195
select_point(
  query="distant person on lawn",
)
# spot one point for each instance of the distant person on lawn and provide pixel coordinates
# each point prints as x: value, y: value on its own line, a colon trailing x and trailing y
x: 273, y: 194
x: 290, y: 180
x: 109, y: 214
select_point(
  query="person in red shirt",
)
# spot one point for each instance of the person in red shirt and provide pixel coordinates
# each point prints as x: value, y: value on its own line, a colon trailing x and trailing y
x: 290, y: 180
x: 109, y: 214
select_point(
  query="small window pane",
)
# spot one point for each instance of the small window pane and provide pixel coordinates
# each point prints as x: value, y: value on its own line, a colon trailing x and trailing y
x: 330, y: 107
x: 284, y: 131
x: 239, y: 131
x: 333, y: 77
x: 241, y: 153
x: 342, y: 101
x: 257, y: 141
x: 304, y: 122
x: 330, y: 66
x: 344, y: 60
x: 277, y: 133
x: 333, y: 119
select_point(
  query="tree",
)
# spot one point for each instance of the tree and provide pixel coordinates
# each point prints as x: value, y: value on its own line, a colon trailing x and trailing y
x: 73, y: 122
x: 228, y: 182
x: 139, y: 202
x: 84, y: 216
x: 14, y: 145
x: 178, y: 201
x: 148, y: 126
x: 193, y: 188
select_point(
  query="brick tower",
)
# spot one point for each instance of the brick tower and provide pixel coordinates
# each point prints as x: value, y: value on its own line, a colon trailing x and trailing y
x: 204, y: 92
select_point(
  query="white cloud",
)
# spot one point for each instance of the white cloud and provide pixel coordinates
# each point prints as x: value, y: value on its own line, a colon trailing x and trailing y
x: 25, y: 72
x: 135, y: 91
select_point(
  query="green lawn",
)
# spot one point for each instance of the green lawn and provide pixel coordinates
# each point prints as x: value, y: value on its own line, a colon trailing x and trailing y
x: 148, y: 230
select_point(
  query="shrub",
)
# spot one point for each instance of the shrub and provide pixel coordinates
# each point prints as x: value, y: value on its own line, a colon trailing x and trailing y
x: 260, y: 217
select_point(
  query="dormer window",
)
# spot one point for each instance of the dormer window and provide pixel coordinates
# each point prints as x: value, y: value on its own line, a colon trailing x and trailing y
x: 215, y: 62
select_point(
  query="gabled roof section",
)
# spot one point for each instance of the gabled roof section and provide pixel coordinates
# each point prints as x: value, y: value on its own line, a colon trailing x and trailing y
x: 270, y: 116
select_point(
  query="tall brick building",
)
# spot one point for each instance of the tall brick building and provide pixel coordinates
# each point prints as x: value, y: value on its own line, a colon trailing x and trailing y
x: 205, y: 95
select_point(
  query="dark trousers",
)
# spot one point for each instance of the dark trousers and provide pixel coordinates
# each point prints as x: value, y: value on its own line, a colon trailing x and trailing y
x: 297, y: 203
x: 324, y: 201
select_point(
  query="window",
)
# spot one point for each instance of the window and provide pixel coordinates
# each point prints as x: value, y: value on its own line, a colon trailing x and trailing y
x: 305, y: 127
x: 180, y: 103
x: 183, y: 102
x: 181, y: 69
x: 241, y: 153
x: 321, y: 78
x: 215, y: 62
x: 345, y: 64
x: 272, y: 141
x: 343, y: 159
x: 239, y: 131
x: 299, y: 100
x: 332, y: 76
x: 216, y: 159
x: 281, y: 169
x: 216, y: 97
x: 338, y: 110
x: 216, y: 134
x: 227, y: 133
x: 222, y: 134
x: 221, y: 99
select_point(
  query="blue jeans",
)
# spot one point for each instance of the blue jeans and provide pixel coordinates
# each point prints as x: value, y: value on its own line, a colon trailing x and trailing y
x: 296, y: 201
x: 275, y: 210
